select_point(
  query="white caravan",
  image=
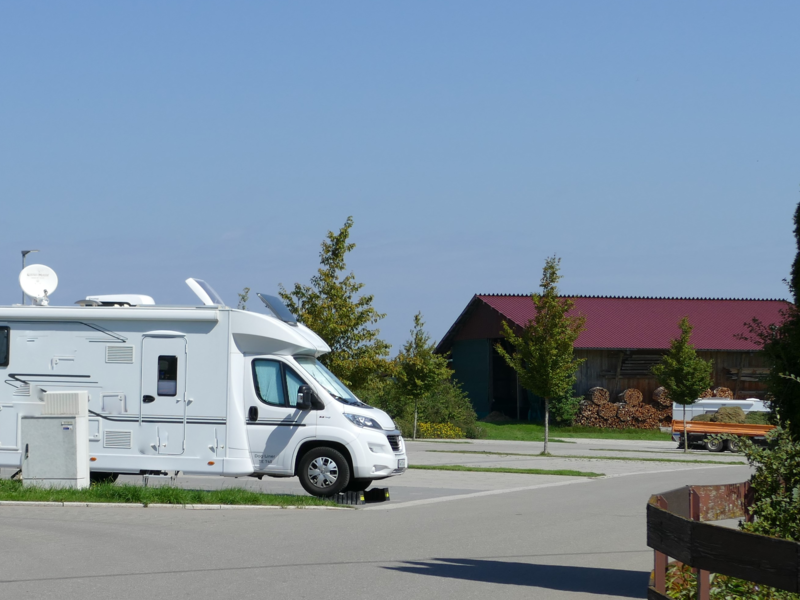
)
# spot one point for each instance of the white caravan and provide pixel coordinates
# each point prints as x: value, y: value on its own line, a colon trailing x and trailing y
x: 194, y: 389
x: 712, y: 405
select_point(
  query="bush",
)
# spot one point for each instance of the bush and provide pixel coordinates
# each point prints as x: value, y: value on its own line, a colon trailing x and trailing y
x: 729, y: 414
x: 446, y: 403
x: 444, y: 431
x: 564, y: 410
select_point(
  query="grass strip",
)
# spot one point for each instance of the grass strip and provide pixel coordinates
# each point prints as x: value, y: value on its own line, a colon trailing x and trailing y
x: 429, y: 441
x: 566, y: 472
x: 135, y: 494
x: 672, y: 451
x: 532, y: 432
x: 583, y: 456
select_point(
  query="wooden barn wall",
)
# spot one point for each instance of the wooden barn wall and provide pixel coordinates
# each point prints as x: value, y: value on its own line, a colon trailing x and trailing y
x: 601, y: 366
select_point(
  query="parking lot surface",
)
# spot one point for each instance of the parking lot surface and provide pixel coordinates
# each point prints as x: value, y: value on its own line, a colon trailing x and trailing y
x: 444, y: 534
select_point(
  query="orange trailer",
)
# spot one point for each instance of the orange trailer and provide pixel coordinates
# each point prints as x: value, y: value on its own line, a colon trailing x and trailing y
x: 699, y: 431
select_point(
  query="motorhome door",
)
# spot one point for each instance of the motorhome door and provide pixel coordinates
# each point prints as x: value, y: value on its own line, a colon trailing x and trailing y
x: 163, y: 401
x: 275, y: 428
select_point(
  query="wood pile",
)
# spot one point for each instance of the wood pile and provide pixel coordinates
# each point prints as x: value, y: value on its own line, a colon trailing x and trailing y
x: 598, y: 395
x: 709, y: 393
x: 631, y: 397
x: 661, y: 397
x: 630, y: 411
x: 723, y: 392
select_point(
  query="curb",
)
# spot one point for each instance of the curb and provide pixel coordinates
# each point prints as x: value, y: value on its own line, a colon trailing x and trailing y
x: 183, y: 506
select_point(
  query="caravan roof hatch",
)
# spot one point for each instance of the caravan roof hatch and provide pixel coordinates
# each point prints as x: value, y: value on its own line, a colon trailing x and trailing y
x: 278, y: 308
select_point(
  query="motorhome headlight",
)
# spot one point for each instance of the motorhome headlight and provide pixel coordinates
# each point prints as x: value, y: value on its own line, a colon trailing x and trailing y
x: 363, y: 421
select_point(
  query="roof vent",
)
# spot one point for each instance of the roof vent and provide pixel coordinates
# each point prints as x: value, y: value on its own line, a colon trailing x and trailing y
x: 117, y: 300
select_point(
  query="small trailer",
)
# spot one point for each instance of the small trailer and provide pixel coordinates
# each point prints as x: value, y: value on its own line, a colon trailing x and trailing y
x: 699, y: 432
x: 201, y: 389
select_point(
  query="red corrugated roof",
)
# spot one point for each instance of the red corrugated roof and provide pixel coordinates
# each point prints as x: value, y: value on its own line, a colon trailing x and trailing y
x: 652, y: 322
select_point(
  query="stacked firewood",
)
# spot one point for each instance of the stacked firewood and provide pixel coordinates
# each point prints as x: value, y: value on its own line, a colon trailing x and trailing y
x: 630, y: 410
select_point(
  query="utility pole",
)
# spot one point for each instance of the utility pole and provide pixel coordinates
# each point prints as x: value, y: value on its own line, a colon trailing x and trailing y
x: 24, y: 256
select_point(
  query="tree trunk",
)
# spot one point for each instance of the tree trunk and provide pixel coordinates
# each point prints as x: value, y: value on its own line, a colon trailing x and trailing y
x: 414, y: 435
x: 685, y: 431
x: 546, y: 424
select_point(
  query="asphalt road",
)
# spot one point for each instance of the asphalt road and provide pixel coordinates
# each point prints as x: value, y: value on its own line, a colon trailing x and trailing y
x: 443, y: 535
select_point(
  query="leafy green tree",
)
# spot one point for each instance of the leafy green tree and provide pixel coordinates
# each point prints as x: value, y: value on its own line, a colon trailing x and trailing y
x: 781, y: 345
x: 683, y: 373
x: 418, y: 369
x: 543, y: 355
x: 333, y: 307
x: 244, y: 296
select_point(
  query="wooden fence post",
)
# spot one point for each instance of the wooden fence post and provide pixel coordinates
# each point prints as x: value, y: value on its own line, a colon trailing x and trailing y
x: 660, y: 567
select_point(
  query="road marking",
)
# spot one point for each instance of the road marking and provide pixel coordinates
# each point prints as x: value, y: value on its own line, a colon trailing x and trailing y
x: 413, y: 503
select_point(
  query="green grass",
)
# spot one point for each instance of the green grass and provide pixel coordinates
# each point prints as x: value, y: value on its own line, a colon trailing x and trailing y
x: 429, y: 441
x: 566, y: 472
x: 134, y: 494
x: 581, y: 456
x: 532, y: 432
x: 674, y: 450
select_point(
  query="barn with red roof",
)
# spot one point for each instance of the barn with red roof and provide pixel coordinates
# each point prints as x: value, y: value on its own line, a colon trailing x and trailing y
x: 623, y: 339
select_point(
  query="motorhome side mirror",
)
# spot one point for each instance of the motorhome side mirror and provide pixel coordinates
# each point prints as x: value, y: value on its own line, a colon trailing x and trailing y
x: 304, y: 394
x: 252, y: 414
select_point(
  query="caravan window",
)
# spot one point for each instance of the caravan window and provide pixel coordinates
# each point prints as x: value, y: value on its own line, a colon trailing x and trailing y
x: 5, y: 343
x: 276, y: 383
x: 269, y: 384
x: 167, y: 375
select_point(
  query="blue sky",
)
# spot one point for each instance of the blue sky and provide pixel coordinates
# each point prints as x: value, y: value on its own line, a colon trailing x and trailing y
x: 655, y: 147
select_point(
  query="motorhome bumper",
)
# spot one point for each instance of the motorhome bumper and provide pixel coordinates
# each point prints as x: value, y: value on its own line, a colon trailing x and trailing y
x: 375, y: 456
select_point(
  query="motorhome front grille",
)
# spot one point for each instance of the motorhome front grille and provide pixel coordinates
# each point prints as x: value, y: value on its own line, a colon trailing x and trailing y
x: 119, y: 354
x: 394, y: 442
x: 116, y: 439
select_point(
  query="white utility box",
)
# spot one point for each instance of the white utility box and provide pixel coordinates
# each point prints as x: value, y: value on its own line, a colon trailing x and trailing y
x: 55, y: 445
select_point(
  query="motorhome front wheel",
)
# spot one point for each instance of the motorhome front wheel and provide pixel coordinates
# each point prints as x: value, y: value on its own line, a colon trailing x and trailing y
x: 324, y: 472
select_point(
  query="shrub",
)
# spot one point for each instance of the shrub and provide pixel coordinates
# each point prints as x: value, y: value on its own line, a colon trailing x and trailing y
x: 564, y: 410
x: 444, y: 431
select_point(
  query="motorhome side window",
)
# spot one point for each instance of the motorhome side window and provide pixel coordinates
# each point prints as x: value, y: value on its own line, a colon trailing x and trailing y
x: 5, y: 343
x: 293, y: 383
x: 269, y: 382
x: 167, y: 375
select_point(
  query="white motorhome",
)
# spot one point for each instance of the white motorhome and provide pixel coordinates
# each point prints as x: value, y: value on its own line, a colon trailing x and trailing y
x: 202, y: 389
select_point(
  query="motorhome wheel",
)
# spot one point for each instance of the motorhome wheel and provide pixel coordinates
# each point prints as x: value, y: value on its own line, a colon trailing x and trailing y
x: 324, y: 472
x: 715, y: 445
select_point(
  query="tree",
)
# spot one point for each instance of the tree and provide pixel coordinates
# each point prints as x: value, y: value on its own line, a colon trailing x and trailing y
x: 781, y: 345
x: 244, y: 296
x: 543, y: 354
x: 682, y: 373
x: 333, y: 308
x: 418, y: 369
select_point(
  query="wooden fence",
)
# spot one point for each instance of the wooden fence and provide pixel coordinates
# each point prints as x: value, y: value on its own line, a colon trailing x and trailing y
x: 677, y: 527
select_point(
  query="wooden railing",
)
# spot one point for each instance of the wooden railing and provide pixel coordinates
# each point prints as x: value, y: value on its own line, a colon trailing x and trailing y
x: 677, y: 527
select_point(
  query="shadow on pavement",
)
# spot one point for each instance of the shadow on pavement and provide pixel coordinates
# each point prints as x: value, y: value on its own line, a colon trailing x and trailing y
x: 613, y: 582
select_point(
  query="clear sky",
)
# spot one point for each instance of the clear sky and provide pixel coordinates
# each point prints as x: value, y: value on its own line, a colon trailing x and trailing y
x: 654, y: 146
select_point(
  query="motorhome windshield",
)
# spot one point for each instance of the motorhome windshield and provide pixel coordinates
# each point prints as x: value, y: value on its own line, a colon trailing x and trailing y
x: 329, y: 381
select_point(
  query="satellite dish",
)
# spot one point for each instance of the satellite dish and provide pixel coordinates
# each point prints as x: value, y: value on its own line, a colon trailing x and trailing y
x: 38, y: 282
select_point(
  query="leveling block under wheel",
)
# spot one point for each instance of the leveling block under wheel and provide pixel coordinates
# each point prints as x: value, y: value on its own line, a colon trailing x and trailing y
x: 358, y: 498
